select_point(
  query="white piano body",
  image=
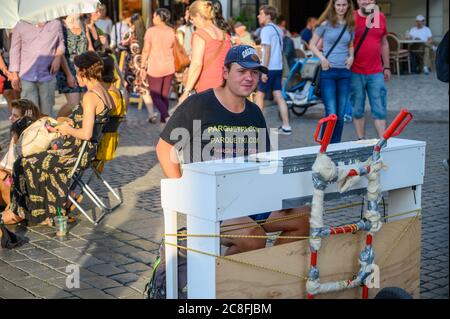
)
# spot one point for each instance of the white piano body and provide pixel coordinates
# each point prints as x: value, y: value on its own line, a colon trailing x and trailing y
x: 210, y: 192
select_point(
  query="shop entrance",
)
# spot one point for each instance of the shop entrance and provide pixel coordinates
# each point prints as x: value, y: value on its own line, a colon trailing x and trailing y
x: 300, y: 11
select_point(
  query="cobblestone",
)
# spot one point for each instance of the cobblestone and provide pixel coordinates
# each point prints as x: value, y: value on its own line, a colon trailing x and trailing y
x: 116, y: 257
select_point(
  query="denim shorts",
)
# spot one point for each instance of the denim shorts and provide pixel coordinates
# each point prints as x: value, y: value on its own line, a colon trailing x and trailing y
x: 372, y: 86
x: 272, y: 84
x: 260, y: 217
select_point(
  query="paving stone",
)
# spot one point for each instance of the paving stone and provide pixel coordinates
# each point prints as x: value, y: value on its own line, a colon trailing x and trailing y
x: 139, y: 285
x: 92, y: 294
x: 100, y: 282
x: 49, y: 244
x: 56, y: 263
x: 33, y: 237
x: 127, y: 250
x: 61, y: 283
x: 124, y: 236
x: 121, y: 292
x: 125, y: 278
x: 28, y: 282
x: 144, y: 257
x: 10, y: 291
x: 106, y: 270
x: 48, y: 274
x: 77, y: 243
x: 136, y: 267
x: 114, y: 258
x: 144, y: 244
x: 87, y: 261
x: 11, y: 255
x: 38, y: 254
x: 29, y: 266
x: 110, y: 242
x: 11, y: 273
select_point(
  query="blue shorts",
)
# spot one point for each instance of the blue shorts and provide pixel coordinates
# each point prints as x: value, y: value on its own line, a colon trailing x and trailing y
x: 272, y: 84
x: 260, y: 217
x: 373, y: 86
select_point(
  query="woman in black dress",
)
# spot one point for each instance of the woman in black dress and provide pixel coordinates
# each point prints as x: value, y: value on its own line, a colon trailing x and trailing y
x: 40, y: 181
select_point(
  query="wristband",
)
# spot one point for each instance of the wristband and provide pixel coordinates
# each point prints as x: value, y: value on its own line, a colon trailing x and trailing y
x: 387, y: 69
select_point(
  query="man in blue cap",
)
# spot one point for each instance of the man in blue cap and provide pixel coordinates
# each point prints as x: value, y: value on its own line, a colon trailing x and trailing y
x: 222, y: 123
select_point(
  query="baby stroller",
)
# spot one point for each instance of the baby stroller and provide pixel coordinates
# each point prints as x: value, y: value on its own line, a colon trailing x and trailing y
x: 298, y: 90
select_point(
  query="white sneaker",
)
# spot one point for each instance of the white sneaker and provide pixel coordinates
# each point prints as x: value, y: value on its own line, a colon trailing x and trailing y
x: 283, y: 131
x: 426, y: 70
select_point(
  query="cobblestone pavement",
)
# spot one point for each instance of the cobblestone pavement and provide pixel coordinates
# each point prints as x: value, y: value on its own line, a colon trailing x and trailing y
x: 115, y: 258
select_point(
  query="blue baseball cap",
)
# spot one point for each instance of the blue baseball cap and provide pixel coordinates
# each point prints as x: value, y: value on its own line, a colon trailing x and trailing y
x: 245, y: 56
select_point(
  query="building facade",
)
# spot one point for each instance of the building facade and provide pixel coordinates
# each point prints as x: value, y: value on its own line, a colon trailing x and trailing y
x: 400, y: 14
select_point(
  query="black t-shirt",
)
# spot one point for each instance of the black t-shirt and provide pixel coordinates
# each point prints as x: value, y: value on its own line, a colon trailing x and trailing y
x: 203, y: 129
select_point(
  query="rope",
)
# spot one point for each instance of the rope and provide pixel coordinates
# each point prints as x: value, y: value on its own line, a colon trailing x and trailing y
x: 275, y: 236
x: 304, y: 278
x: 273, y: 220
x: 301, y: 277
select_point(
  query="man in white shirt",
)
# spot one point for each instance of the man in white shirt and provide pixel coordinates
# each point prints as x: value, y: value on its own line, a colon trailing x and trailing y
x: 423, y: 33
x: 104, y: 23
x: 121, y: 29
x: 272, y: 48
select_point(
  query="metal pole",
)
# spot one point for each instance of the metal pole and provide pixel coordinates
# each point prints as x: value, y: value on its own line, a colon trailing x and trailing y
x: 428, y: 13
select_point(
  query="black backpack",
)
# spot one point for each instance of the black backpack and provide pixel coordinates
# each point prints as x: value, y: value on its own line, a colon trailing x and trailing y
x: 442, y: 60
x: 156, y: 288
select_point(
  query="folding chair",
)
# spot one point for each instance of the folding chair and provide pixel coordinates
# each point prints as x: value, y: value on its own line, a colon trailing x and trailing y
x: 77, y: 173
x: 111, y: 127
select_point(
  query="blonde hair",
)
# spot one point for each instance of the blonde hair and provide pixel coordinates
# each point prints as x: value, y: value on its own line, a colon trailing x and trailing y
x: 331, y: 16
x: 204, y: 8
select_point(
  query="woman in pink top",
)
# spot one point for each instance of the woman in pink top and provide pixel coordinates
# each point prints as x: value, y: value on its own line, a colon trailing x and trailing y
x: 158, y: 64
x: 210, y: 44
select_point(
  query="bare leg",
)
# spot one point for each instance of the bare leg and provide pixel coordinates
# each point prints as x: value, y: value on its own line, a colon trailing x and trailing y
x: 241, y: 245
x: 360, y: 127
x: 282, y: 107
x: 72, y: 99
x: 260, y: 100
x: 380, y: 126
x: 10, y: 95
x: 149, y: 105
x: 298, y: 226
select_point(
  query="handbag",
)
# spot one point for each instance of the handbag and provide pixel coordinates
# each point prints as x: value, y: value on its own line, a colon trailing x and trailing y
x: 181, y: 58
x: 316, y: 83
x: 36, y: 138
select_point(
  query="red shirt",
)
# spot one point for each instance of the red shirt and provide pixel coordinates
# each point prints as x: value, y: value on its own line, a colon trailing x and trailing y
x: 369, y: 60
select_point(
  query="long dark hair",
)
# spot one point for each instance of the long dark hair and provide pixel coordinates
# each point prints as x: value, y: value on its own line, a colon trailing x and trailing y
x: 219, y: 20
x: 164, y: 15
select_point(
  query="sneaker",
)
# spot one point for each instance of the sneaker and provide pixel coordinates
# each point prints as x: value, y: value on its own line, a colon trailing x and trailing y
x: 348, y: 118
x: 283, y: 131
x: 426, y: 70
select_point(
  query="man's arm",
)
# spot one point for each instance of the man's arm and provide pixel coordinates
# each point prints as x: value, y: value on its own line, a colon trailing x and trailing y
x: 61, y: 49
x: 14, y: 58
x: 168, y: 159
x: 386, y: 59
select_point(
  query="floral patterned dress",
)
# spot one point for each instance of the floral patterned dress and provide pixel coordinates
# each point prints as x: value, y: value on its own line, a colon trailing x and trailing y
x: 75, y: 45
x: 41, y: 182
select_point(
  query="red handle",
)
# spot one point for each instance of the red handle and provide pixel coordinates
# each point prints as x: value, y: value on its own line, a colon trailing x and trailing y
x: 398, y: 124
x: 330, y: 123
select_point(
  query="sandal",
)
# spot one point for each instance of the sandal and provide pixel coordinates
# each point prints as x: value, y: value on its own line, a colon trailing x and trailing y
x: 153, y: 119
x: 11, y: 218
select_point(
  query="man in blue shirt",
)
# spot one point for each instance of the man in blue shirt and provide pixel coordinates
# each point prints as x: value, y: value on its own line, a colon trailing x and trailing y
x: 307, y: 32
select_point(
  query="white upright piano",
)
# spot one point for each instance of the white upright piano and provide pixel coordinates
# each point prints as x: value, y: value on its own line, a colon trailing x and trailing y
x: 211, y: 192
